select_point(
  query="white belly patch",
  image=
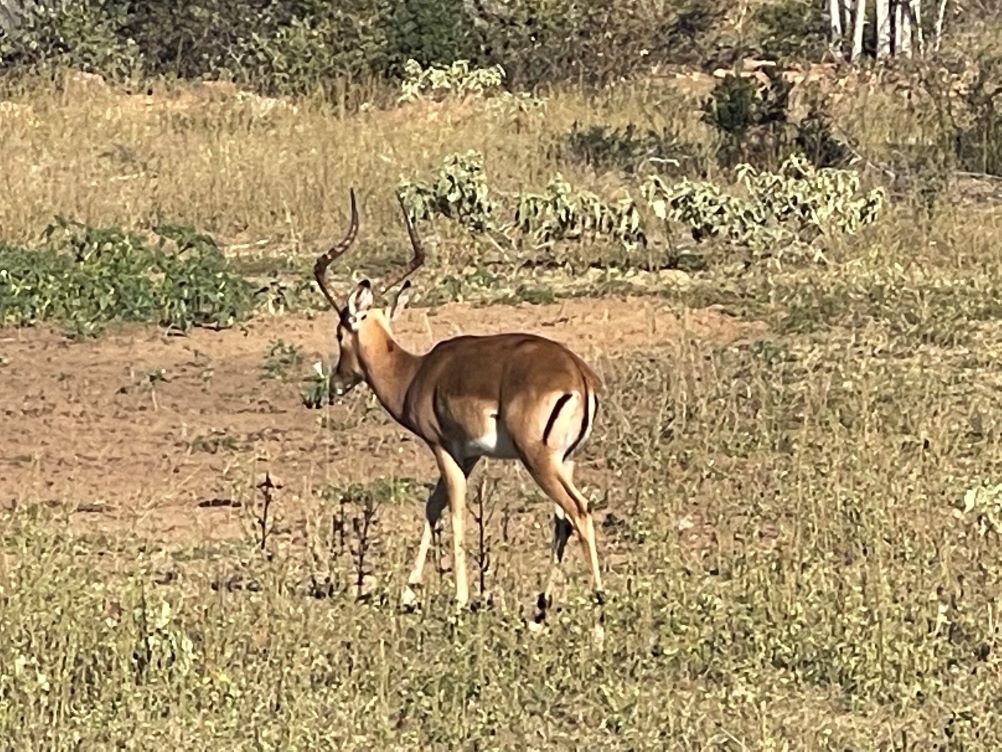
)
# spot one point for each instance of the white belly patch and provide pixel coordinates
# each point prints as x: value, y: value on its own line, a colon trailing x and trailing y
x: 495, y: 442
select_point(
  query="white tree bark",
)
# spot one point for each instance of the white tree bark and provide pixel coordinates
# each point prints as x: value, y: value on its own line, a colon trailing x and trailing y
x: 859, y: 17
x: 915, y: 22
x: 835, y: 22
x: 902, y: 29
x: 883, y: 23
x: 938, y: 31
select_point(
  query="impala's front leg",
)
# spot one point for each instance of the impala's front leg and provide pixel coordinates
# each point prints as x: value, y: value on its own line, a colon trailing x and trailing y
x: 455, y: 484
x: 432, y: 513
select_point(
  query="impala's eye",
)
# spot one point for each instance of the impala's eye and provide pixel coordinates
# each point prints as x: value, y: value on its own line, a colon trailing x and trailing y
x: 340, y: 337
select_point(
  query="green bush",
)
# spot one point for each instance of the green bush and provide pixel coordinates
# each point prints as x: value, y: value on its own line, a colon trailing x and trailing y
x: 430, y: 32
x: 84, y: 34
x: 87, y: 277
x: 751, y: 121
x: 286, y: 47
x: 791, y: 29
x: 550, y: 40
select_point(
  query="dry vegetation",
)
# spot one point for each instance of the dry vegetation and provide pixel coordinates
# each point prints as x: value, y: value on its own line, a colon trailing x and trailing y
x: 797, y: 465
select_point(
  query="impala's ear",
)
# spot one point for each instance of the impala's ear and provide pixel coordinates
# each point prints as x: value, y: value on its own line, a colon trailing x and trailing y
x: 360, y: 299
x: 399, y: 300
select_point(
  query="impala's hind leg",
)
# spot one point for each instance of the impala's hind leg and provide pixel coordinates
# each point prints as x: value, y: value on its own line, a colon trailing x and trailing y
x: 555, y: 478
x: 562, y: 530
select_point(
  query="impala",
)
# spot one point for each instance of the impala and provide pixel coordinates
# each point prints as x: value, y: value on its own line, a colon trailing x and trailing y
x: 507, y: 396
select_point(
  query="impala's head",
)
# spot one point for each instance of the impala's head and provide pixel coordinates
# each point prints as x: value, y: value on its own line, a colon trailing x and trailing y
x: 361, y: 324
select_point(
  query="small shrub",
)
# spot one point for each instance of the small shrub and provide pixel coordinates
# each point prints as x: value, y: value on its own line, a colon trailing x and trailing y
x: 457, y: 79
x: 86, y: 277
x: 563, y: 213
x: 317, y: 388
x: 816, y: 140
x: 280, y: 359
x: 459, y: 192
x: 785, y: 209
x: 752, y: 122
x: 432, y: 32
x: 83, y: 34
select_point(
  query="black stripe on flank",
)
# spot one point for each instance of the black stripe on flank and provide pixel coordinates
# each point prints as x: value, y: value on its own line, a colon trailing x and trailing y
x: 585, y: 419
x: 553, y: 416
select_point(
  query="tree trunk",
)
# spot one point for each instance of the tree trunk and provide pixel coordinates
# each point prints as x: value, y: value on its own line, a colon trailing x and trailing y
x: 882, y: 21
x: 835, y: 22
x: 902, y: 28
x: 938, y: 31
x: 915, y: 22
x: 859, y: 18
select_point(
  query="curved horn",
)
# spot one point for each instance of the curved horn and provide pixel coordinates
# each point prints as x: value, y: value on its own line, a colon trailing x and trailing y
x: 418, y: 259
x: 324, y: 259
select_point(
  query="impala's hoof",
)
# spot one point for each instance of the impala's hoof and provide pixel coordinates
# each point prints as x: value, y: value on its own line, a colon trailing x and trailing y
x: 408, y: 599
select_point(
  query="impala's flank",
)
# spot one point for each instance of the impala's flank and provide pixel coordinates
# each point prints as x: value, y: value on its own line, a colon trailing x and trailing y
x: 508, y: 396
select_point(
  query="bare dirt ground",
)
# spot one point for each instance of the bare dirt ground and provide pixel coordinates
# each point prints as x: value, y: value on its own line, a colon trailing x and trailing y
x: 86, y: 431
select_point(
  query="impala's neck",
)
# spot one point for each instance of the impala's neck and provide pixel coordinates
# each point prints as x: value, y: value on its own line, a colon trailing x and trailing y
x: 389, y: 368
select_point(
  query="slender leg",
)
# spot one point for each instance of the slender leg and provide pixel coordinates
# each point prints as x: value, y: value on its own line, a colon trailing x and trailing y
x: 554, y: 478
x: 454, y: 479
x: 562, y: 530
x: 587, y: 532
x: 433, y: 511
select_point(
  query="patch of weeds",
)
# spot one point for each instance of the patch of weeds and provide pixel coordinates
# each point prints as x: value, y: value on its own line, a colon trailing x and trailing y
x: 280, y: 359
x: 529, y: 294
x: 453, y: 287
x: 214, y: 442
x: 816, y: 138
x: 86, y: 277
x: 278, y: 295
x: 317, y: 390
x: 378, y: 491
x: 147, y: 380
x: 604, y: 147
x: 933, y: 312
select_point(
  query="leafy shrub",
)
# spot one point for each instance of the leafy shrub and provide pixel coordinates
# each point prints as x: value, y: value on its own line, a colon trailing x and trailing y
x: 87, y: 277
x: 84, y: 34
x: 788, y: 208
x: 285, y: 47
x: 751, y: 121
x: 428, y: 31
x: 456, y: 79
x: 978, y: 126
x: 272, y: 46
x: 563, y: 213
x: 459, y: 192
x: 541, y: 41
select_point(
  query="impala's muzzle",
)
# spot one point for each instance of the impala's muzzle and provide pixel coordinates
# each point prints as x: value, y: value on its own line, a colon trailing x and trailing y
x: 341, y: 385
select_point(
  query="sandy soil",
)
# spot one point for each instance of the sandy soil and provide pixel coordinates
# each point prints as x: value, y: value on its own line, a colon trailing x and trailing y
x: 84, y: 430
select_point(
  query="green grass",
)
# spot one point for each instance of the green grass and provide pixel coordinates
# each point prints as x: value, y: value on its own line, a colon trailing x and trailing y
x: 790, y: 563
x: 792, y: 567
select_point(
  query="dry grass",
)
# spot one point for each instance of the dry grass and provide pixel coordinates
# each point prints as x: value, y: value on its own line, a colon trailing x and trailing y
x: 790, y: 566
